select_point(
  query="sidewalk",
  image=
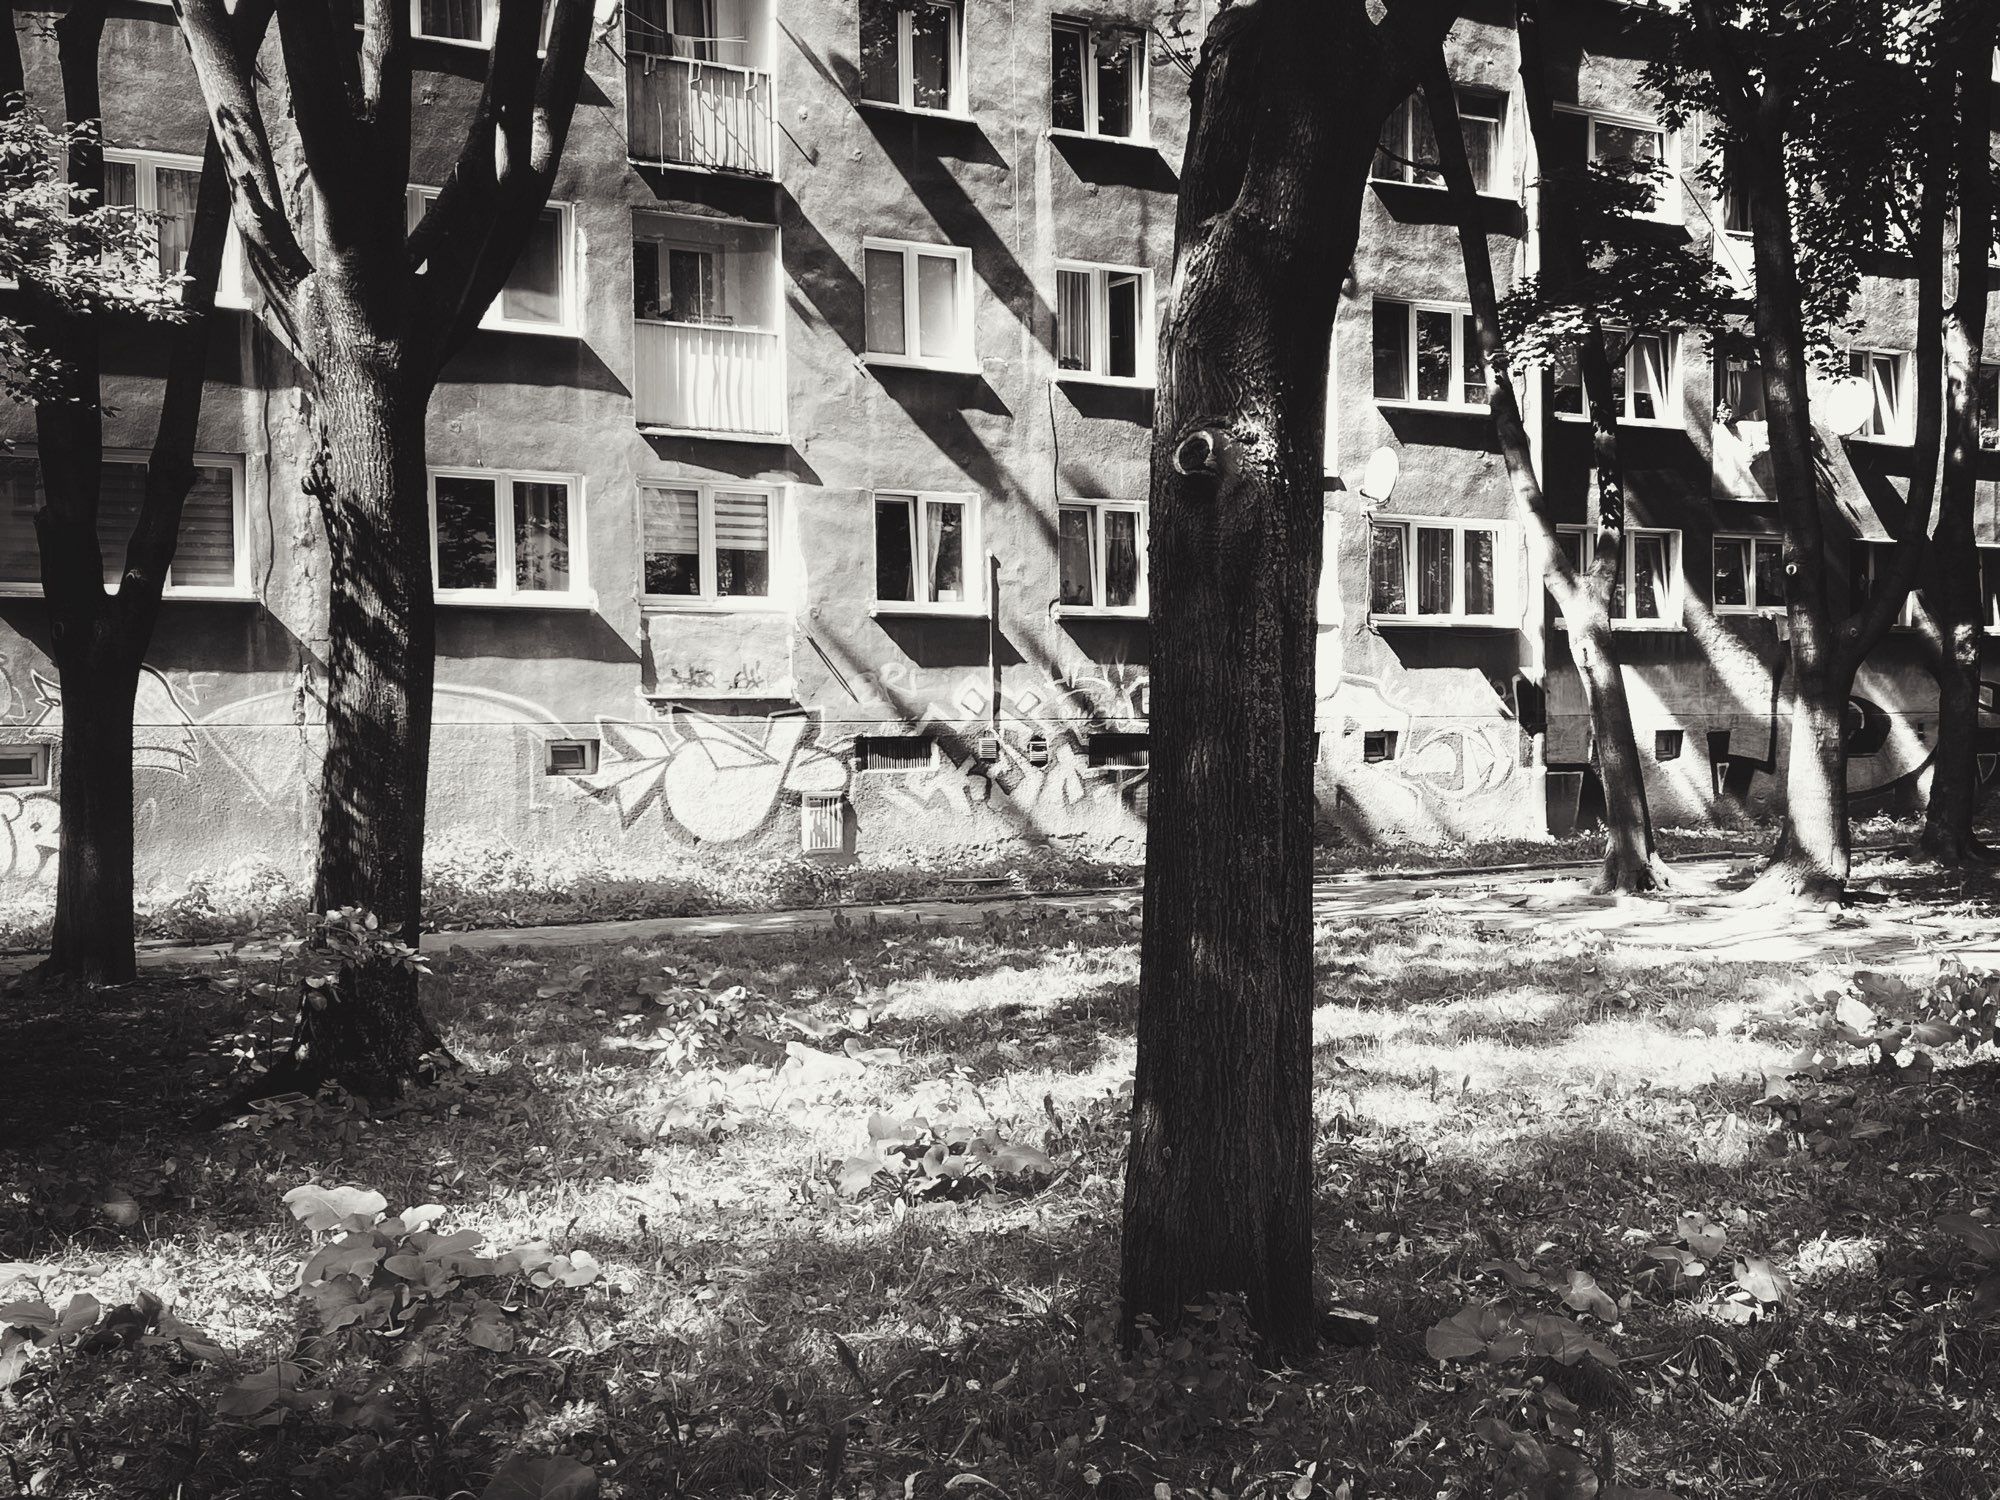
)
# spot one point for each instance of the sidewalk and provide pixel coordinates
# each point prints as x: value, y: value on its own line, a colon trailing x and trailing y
x: 1694, y: 920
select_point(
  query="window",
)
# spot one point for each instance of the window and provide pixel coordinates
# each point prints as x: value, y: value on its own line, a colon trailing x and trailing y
x: 1749, y: 575
x: 1435, y: 571
x: 468, y: 21
x: 210, y: 558
x: 539, y: 296
x: 699, y: 30
x: 1104, y: 322
x: 1735, y: 201
x: 919, y: 308
x: 926, y: 553
x: 1097, y: 81
x: 1988, y: 401
x: 708, y: 544
x: 1378, y: 745
x: 1645, y: 384
x: 571, y: 758
x: 1741, y: 397
x: 1101, y: 556
x: 1868, y: 561
x: 504, y: 538
x: 1668, y: 743
x: 1118, y: 751
x: 913, y: 54
x: 708, y: 334
x: 1409, y: 149
x: 24, y: 765
x: 1646, y: 590
x: 1633, y: 149
x: 1427, y: 354
x: 1882, y: 372
x: 892, y: 752
x: 169, y: 187
x: 1989, y: 589
x: 822, y: 823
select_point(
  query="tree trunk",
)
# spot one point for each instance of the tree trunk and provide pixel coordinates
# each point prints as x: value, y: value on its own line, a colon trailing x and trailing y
x: 1811, y: 859
x: 92, y: 939
x: 1954, y: 797
x: 1218, y: 1188
x: 1631, y: 859
x: 372, y: 1036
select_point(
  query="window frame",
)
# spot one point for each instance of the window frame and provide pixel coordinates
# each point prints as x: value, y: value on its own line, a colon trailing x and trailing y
x: 974, y: 604
x: 1673, y: 611
x: 506, y: 594
x: 1142, y: 98
x: 1138, y: 610
x: 1667, y: 206
x: 1904, y: 433
x: 959, y: 107
x: 1872, y: 550
x: 1676, y: 416
x: 708, y: 601
x: 1146, y: 356
x: 571, y: 324
x: 238, y: 592
x: 1462, y: 330
x: 41, y: 757
x: 1505, y: 603
x: 1503, y: 156
x: 232, y: 286
x: 965, y: 360
x: 1755, y: 607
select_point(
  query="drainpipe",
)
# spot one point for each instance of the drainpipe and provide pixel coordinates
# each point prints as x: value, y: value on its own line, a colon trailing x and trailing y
x: 993, y: 642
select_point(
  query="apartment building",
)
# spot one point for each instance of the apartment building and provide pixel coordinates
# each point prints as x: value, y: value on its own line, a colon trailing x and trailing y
x: 791, y: 498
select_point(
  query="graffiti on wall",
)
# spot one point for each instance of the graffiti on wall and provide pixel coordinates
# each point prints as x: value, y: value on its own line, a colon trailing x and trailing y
x: 717, y: 777
x: 1438, y: 773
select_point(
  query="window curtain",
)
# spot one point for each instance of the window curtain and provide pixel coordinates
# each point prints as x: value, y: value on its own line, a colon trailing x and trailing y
x: 464, y: 20
x: 1121, y: 559
x: 1434, y: 590
x: 1387, y: 593
x: 1076, y: 555
x: 742, y: 546
x: 205, y: 555
x: 541, y: 536
x: 1885, y: 387
x: 1649, y: 577
x: 1649, y: 377
x: 1479, y: 587
x: 20, y: 555
x: 944, y: 545
x: 1073, y: 320
x: 673, y: 542
x: 178, y: 192
x: 937, y: 306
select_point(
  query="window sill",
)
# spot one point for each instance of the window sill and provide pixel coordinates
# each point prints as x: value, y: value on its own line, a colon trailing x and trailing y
x: 1115, y: 382
x: 1096, y: 612
x: 1440, y: 622
x: 170, y: 596
x: 1438, y: 187
x: 538, y: 330
x: 1664, y: 424
x: 574, y: 603
x: 1748, y: 612
x: 1448, y: 408
x: 1896, y: 441
x: 667, y: 604
x: 963, y: 117
x: 713, y: 434
x: 913, y: 362
x: 1655, y: 627
x: 1064, y: 133
x: 897, y: 610
x: 469, y: 43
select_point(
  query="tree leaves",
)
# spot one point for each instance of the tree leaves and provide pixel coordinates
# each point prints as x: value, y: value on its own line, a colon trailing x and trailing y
x: 323, y: 1208
x: 528, y: 1477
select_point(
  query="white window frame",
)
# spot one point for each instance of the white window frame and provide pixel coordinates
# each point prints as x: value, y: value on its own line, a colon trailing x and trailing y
x: 1502, y: 172
x: 1905, y: 407
x: 1100, y: 275
x: 1675, y: 406
x: 1461, y: 329
x: 1748, y: 541
x: 232, y: 285
x: 1098, y: 509
x: 974, y: 602
x: 239, y: 515
x: 1673, y: 609
x: 708, y: 601
x: 906, y: 82
x: 1142, y: 114
x: 419, y: 202
x: 506, y: 594
x: 963, y: 360
x: 1505, y: 570
x: 1667, y: 208
x: 40, y: 773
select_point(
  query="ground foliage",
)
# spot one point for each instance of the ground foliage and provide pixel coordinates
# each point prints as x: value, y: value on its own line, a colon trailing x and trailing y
x: 833, y: 1213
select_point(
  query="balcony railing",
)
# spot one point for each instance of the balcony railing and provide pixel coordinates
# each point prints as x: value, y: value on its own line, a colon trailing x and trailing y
x: 704, y: 377
x: 683, y: 111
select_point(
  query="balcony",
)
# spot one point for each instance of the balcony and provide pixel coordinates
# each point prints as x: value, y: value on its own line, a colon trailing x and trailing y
x: 709, y: 379
x: 683, y: 111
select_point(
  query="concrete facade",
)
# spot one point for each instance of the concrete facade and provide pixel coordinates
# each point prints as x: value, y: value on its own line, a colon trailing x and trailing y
x: 709, y: 361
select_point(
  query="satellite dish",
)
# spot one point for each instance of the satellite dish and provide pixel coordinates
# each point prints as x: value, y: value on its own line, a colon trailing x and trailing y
x: 1380, y: 476
x: 1849, y: 403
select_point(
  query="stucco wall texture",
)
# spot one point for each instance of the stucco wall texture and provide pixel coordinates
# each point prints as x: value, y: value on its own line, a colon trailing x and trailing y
x: 743, y: 729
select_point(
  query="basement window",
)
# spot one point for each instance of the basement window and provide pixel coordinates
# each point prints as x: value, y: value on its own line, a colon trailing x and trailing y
x: 1118, y: 751
x: 571, y: 758
x: 892, y: 752
x: 822, y: 823
x: 1667, y: 744
x: 24, y: 765
x: 1378, y: 745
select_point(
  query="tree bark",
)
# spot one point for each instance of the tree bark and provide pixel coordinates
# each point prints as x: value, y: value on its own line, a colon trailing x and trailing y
x: 1289, y: 99
x: 1952, y: 602
x: 92, y: 941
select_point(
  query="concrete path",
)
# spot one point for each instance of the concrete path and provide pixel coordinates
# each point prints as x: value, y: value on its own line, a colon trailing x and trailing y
x: 1693, y: 920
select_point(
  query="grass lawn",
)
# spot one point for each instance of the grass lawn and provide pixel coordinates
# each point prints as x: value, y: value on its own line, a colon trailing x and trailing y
x: 712, y: 1293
